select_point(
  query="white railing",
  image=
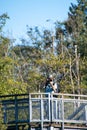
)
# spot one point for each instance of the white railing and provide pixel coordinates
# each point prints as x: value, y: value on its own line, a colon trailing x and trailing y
x: 64, y: 108
x: 44, y: 107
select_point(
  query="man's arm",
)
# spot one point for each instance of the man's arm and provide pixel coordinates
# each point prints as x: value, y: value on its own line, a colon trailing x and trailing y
x: 54, y: 86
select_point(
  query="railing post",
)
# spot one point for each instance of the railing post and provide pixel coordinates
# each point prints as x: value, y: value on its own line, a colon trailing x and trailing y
x: 41, y: 111
x: 5, y: 114
x: 51, y: 107
x: 86, y: 114
x: 51, y: 111
x: 30, y: 110
x: 62, y: 113
x: 51, y: 128
x: 16, y: 112
x: 59, y: 109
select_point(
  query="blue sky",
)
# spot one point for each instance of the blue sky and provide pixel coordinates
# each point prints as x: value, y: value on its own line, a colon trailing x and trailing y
x: 32, y: 13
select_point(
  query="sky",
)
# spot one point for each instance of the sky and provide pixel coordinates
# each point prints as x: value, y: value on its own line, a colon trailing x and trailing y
x: 32, y: 13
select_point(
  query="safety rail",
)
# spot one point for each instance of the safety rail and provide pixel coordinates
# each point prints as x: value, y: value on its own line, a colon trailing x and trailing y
x: 44, y: 108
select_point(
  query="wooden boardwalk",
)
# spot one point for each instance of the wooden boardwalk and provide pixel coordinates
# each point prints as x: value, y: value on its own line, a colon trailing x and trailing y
x: 41, y: 111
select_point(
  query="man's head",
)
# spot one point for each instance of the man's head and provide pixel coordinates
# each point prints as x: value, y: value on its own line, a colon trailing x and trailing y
x: 51, y: 77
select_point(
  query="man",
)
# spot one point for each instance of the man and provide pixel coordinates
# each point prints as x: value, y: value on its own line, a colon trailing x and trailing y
x: 50, y: 86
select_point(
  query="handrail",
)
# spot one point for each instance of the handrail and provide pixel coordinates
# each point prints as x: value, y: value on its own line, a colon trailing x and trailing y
x: 36, y: 93
x: 13, y: 95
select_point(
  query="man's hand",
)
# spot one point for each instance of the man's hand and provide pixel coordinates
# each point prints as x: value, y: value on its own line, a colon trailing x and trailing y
x: 53, y: 85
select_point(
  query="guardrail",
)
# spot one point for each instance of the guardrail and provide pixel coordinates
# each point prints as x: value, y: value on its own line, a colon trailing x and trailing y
x: 44, y: 108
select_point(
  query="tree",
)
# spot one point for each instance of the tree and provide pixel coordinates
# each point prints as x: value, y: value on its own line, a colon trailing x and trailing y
x: 44, y: 52
x: 8, y: 84
x: 73, y: 32
x: 3, y: 19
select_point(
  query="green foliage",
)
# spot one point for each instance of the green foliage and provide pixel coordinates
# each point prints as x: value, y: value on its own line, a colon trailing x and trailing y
x: 2, y: 125
x: 8, y: 84
x: 78, y: 23
x: 24, y: 68
x: 3, y: 19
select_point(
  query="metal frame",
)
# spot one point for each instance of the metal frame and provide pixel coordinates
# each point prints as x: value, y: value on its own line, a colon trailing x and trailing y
x: 57, y: 108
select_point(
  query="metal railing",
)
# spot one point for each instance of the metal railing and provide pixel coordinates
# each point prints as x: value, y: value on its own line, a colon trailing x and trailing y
x: 44, y: 107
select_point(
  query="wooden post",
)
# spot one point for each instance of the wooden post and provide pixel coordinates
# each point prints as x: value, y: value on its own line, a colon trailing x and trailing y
x: 77, y: 69
x: 16, y: 112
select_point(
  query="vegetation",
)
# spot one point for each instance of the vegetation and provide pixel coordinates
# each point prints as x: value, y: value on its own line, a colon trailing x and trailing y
x: 63, y: 53
x: 2, y: 125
